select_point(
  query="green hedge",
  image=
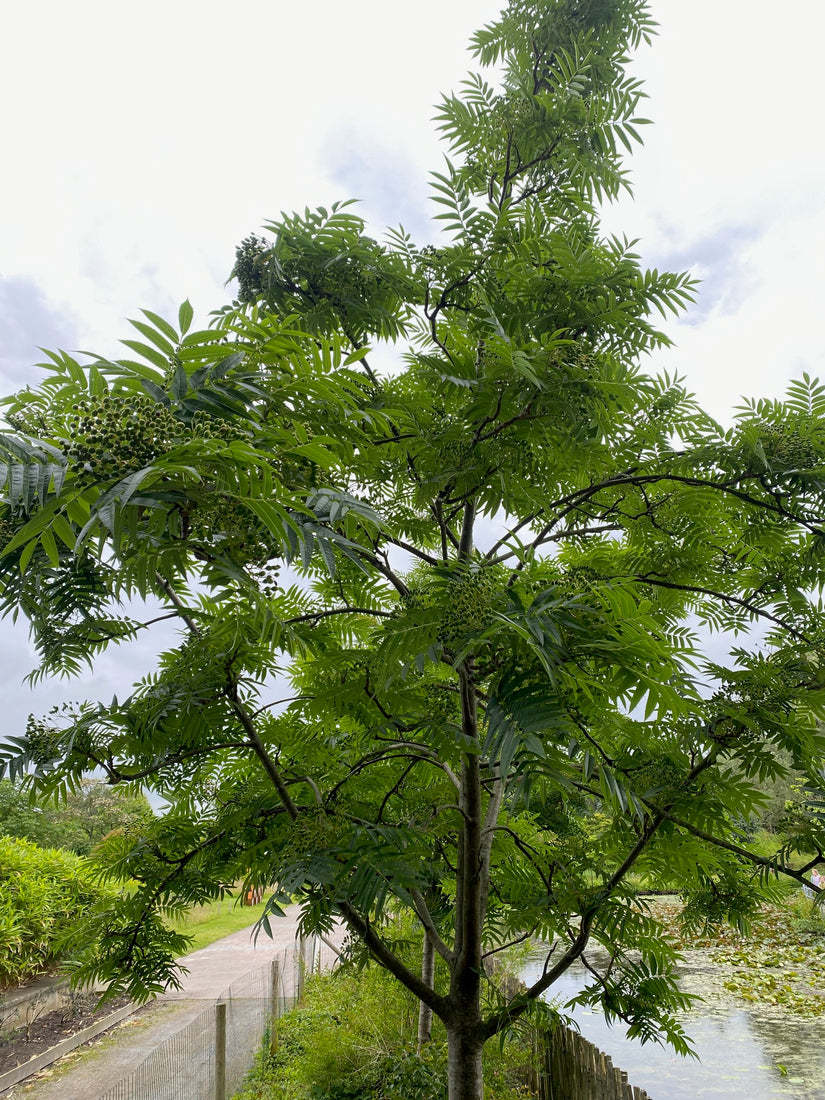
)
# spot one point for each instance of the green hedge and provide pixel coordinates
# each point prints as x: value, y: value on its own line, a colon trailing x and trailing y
x: 44, y: 893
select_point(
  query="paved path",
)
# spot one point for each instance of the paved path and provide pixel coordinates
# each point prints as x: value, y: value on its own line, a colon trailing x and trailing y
x: 91, y: 1070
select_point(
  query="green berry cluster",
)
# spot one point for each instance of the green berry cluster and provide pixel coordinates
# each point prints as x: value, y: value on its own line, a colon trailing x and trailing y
x: 578, y: 579
x: 25, y: 421
x: 204, y: 426
x: 349, y: 279
x: 250, y: 267
x: 230, y: 529
x: 111, y: 436
x: 43, y: 742
x: 440, y: 704
x: 266, y: 575
x: 470, y: 607
x: 786, y: 447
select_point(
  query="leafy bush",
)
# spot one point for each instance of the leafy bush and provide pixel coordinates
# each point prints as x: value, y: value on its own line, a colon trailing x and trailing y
x: 354, y: 1039
x: 807, y: 916
x: 45, y: 893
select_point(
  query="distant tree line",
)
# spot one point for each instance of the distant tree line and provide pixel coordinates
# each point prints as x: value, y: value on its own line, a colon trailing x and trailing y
x: 88, y: 815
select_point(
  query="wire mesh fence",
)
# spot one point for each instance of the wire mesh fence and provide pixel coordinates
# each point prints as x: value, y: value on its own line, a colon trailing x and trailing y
x: 210, y: 1057
x: 182, y: 1068
x: 252, y: 1003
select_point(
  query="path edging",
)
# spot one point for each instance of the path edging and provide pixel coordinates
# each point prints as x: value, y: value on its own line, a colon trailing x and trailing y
x: 65, y: 1046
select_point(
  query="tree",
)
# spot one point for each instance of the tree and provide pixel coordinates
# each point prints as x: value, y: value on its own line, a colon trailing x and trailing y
x: 88, y: 815
x: 486, y: 578
x: 19, y: 817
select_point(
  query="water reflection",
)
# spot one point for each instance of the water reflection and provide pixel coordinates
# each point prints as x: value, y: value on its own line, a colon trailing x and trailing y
x: 740, y: 1049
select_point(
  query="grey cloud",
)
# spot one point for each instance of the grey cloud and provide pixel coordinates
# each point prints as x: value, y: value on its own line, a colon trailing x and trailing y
x: 19, y: 699
x: 718, y: 258
x: 27, y: 322
x: 390, y: 185
x: 115, y: 672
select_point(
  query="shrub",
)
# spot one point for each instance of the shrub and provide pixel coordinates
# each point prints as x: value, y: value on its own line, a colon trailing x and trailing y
x: 807, y: 916
x: 354, y: 1039
x: 45, y: 893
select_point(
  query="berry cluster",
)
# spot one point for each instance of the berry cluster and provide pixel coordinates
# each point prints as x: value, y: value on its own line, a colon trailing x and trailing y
x: 110, y: 436
x: 470, y: 607
x: 42, y: 742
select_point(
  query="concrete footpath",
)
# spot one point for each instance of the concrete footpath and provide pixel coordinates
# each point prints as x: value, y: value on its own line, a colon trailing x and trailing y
x: 91, y: 1070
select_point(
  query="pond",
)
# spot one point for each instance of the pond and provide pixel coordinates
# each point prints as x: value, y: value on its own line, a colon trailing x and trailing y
x: 741, y: 1049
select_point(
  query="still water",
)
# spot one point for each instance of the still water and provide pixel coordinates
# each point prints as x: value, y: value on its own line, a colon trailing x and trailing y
x: 740, y: 1049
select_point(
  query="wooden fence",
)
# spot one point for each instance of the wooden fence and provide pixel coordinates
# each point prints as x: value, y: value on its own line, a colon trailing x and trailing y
x: 568, y: 1067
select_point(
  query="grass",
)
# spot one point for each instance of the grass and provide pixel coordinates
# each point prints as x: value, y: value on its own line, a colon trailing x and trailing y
x: 208, y: 923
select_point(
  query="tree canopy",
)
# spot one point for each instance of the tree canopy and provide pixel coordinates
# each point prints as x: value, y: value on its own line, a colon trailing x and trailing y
x: 457, y: 638
x: 88, y: 815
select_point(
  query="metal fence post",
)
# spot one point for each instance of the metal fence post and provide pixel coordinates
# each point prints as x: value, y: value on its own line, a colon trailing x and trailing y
x: 220, y: 1050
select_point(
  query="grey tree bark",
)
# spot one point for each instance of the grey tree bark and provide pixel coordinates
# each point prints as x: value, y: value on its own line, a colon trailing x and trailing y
x: 425, y: 1013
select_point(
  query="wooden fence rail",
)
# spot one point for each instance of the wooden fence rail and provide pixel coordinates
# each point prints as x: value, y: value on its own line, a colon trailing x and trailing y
x: 568, y: 1067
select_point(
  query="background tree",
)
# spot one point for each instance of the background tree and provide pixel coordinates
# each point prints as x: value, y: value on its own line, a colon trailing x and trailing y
x: 21, y: 818
x: 478, y: 692
x: 78, y: 823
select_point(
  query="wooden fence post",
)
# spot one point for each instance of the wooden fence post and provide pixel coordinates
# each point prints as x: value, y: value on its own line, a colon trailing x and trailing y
x: 302, y: 969
x: 220, y: 1050
x: 566, y: 1065
x: 274, y: 1005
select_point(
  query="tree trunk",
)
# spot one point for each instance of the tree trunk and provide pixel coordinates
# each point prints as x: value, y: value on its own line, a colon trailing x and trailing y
x: 464, y: 1078
x: 425, y: 1014
x: 464, y: 1031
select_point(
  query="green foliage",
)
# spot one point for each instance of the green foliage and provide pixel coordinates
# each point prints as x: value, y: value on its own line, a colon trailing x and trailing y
x: 807, y: 918
x: 46, y: 895
x: 483, y: 583
x: 19, y: 818
x: 322, y: 266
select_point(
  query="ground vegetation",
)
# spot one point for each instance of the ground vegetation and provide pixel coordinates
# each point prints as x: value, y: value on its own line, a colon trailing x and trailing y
x: 353, y: 1038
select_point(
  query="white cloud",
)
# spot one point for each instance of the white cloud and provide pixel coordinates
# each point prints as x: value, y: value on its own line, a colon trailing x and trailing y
x: 765, y: 329
x: 147, y: 141
x: 730, y: 186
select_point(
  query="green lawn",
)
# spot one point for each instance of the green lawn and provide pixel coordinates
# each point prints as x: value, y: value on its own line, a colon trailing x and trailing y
x: 207, y: 923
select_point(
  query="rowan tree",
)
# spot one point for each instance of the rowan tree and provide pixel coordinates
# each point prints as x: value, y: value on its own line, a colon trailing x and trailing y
x: 444, y: 629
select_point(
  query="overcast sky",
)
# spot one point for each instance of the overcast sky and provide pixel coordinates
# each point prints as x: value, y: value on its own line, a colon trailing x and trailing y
x: 141, y: 143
